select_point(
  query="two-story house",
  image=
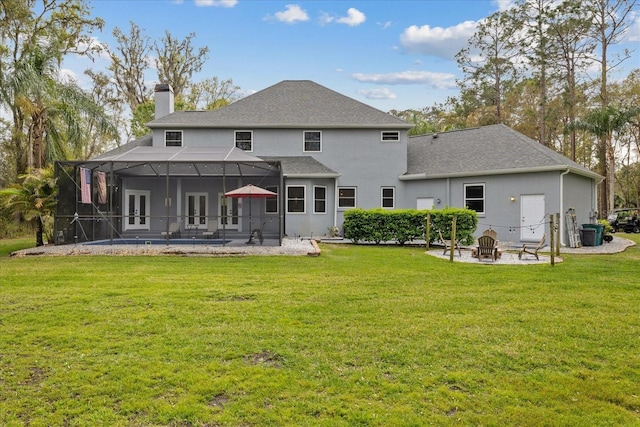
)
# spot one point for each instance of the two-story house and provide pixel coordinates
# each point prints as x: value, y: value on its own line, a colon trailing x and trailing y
x: 322, y: 153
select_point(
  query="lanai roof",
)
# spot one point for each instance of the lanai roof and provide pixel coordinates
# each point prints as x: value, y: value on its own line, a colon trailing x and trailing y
x: 487, y: 150
x: 288, y: 104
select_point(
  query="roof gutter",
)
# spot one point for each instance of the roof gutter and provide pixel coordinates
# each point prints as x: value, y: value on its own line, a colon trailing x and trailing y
x: 555, y: 168
x: 311, y: 175
x: 172, y: 125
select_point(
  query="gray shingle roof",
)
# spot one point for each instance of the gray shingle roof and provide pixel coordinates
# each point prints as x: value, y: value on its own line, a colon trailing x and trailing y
x: 302, y: 167
x: 288, y: 104
x: 494, y: 149
x: 144, y: 141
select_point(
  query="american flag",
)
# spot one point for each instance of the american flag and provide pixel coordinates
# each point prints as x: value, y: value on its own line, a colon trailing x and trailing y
x: 85, y: 184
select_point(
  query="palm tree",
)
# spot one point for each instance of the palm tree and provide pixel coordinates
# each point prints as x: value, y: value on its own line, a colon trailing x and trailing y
x: 34, y: 199
x: 51, y: 118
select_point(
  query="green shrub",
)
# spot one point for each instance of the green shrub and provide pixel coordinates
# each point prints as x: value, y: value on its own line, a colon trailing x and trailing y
x: 406, y: 225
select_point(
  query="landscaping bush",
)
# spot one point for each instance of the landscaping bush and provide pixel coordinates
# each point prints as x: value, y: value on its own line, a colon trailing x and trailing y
x: 406, y: 225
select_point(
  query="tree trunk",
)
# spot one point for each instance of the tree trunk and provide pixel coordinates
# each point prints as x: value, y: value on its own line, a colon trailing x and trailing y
x: 39, y: 231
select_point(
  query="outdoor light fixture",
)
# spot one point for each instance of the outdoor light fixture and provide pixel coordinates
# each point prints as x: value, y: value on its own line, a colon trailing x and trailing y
x: 437, y: 201
x: 512, y: 198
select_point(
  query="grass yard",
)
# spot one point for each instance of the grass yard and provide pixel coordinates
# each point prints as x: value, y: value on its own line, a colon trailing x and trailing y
x: 360, y: 336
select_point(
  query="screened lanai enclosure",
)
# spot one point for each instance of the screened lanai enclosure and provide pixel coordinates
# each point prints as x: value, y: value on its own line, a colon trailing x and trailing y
x: 168, y: 195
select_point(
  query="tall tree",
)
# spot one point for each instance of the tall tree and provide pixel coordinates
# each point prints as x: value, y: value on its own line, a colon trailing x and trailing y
x: 129, y: 64
x: 211, y: 93
x: 488, y: 63
x: 568, y: 31
x: 177, y: 62
x: 34, y: 36
x: 611, y: 20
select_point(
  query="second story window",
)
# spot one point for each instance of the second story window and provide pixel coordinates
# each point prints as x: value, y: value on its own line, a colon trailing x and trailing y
x: 312, y: 140
x: 244, y: 140
x: 173, y: 138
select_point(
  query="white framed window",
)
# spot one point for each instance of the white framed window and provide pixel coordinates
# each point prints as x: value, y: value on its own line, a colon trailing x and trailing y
x: 346, y: 197
x: 296, y: 199
x: 312, y: 141
x: 319, y: 199
x: 173, y: 138
x: 390, y: 136
x: 474, y: 197
x: 271, y: 203
x: 388, y: 197
x: 244, y: 139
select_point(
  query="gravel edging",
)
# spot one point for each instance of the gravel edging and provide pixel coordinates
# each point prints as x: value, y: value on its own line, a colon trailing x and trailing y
x: 291, y: 247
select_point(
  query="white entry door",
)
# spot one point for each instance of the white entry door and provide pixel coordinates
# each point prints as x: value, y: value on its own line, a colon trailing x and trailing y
x: 136, y: 207
x: 532, y: 212
x: 229, y: 213
x: 196, y: 210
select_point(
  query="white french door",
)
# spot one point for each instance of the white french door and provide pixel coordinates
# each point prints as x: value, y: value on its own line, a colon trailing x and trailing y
x: 196, y: 210
x: 229, y: 214
x: 136, y: 207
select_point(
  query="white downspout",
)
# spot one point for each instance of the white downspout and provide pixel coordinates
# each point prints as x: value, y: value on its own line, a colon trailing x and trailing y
x: 335, y: 202
x: 561, y: 225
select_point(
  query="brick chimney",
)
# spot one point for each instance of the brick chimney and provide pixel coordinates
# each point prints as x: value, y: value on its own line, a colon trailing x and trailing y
x: 164, y: 100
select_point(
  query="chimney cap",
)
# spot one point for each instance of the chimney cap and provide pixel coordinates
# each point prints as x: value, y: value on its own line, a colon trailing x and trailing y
x: 163, y: 87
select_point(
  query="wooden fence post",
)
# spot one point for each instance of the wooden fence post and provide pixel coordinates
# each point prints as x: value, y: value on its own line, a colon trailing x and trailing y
x: 552, y: 235
x: 453, y: 239
x: 428, y: 230
x: 558, y: 233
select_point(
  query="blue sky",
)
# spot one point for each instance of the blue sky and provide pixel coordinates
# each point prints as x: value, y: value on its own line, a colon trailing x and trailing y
x: 388, y: 54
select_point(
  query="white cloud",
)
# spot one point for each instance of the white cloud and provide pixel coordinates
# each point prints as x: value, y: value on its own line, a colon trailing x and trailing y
x: 353, y: 19
x: 66, y: 75
x: 435, y: 80
x: 385, y: 25
x: 294, y: 13
x: 503, y: 4
x: 437, y: 41
x: 383, y: 93
x: 633, y: 33
x: 223, y: 3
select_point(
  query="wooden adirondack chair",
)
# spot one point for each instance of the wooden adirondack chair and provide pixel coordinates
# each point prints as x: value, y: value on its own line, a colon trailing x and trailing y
x: 487, y: 248
x: 449, y: 245
x: 531, y: 249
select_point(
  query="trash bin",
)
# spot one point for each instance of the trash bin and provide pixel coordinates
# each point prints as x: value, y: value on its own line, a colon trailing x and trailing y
x: 588, y: 236
x: 599, y: 228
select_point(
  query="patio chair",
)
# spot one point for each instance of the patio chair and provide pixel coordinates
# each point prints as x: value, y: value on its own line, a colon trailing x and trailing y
x: 487, y: 248
x: 491, y: 233
x: 448, y: 245
x: 531, y: 249
x: 212, y: 230
x: 174, y: 229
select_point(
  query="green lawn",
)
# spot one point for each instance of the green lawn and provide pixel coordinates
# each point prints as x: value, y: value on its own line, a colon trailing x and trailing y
x: 360, y: 336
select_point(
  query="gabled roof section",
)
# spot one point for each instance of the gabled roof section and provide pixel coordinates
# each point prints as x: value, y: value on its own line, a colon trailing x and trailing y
x: 288, y: 104
x: 144, y: 141
x: 302, y: 167
x: 488, y: 150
